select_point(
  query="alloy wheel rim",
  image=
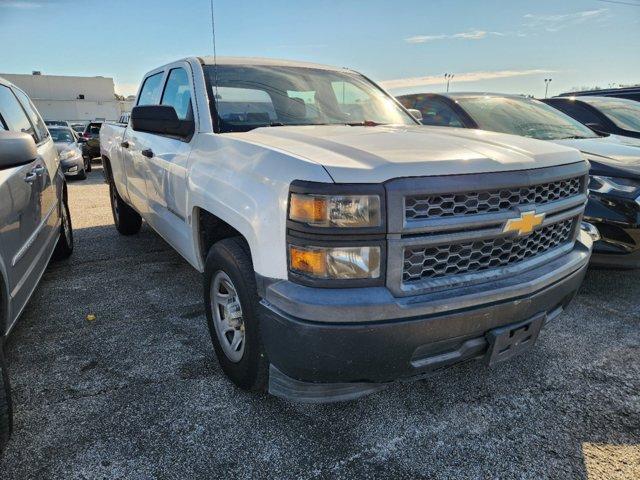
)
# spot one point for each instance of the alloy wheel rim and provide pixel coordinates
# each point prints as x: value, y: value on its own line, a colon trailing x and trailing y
x: 227, y: 316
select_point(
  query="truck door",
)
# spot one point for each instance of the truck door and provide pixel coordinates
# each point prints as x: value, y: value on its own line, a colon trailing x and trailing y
x: 20, y: 212
x: 167, y: 164
x: 135, y: 163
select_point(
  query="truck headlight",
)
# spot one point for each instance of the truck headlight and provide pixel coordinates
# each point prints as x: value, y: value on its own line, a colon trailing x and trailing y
x: 335, y: 262
x: 603, y: 184
x: 342, y: 211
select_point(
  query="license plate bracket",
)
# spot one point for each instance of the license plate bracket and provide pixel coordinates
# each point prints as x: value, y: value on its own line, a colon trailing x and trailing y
x: 511, y: 340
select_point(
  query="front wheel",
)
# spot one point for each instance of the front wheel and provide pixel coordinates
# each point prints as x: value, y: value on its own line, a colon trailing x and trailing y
x: 6, y: 414
x: 231, y: 303
x: 64, y: 248
x: 125, y: 218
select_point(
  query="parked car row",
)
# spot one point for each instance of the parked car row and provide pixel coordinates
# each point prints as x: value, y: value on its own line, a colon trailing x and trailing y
x: 87, y: 139
x: 614, y: 189
x: 35, y: 223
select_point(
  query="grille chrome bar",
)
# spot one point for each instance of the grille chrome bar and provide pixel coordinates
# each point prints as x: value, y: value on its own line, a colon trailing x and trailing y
x: 488, y: 201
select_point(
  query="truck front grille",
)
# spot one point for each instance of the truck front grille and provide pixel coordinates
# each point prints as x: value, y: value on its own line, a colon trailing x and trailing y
x: 450, y: 231
x: 428, y: 262
x: 471, y: 203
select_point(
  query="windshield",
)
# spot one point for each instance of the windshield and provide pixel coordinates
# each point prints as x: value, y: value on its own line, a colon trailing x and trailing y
x: 62, y: 135
x: 624, y: 113
x: 523, y: 116
x: 248, y: 97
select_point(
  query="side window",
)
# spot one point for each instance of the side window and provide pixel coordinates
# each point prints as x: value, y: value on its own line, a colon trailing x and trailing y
x: 150, y: 93
x: 13, y: 114
x: 178, y: 94
x: 34, y: 116
x: 438, y: 113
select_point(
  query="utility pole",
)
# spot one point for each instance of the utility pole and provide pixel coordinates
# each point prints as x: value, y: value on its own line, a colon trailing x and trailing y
x: 547, y: 81
x: 448, y: 77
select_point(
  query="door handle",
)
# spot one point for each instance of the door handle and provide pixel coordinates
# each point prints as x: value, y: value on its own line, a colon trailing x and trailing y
x: 31, y: 177
x: 147, y: 153
x: 124, y: 144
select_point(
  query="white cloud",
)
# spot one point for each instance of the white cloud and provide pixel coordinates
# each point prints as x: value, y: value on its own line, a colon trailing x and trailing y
x: 20, y: 5
x: 126, y: 88
x: 414, y: 82
x: 556, y: 22
x: 470, y: 35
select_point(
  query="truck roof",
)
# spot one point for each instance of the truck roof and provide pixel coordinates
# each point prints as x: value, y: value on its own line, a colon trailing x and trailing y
x: 274, y: 62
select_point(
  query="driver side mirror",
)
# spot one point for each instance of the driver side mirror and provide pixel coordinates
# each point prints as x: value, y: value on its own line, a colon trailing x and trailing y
x: 16, y: 149
x: 160, y: 119
x: 415, y: 113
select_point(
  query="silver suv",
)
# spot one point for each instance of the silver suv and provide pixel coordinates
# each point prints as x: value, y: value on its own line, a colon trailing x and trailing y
x: 34, y: 216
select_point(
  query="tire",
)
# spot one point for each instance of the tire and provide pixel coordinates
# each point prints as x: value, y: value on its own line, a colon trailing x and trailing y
x: 125, y: 218
x: 82, y: 175
x: 6, y: 411
x: 64, y: 248
x: 230, y: 259
x: 88, y: 166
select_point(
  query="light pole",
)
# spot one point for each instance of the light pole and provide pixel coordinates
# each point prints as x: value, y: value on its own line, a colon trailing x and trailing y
x: 448, y: 77
x: 547, y: 81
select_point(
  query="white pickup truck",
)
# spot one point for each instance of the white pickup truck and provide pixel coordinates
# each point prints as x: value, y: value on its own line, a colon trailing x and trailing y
x: 343, y: 245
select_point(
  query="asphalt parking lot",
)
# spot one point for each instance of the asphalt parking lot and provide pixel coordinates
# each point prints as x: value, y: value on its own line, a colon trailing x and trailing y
x: 137, y: 393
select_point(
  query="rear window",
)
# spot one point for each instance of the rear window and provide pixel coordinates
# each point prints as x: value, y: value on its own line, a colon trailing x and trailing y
x: 62, y: 135
x: 245, y: 105
x: 93, y: 128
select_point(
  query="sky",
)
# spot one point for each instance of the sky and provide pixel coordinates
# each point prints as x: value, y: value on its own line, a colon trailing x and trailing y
x: 505, y: 46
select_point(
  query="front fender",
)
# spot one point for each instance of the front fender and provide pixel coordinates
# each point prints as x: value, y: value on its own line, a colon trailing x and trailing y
x: 247, y: 186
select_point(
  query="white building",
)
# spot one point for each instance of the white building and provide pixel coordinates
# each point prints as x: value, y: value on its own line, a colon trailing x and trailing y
x: 71, y: 98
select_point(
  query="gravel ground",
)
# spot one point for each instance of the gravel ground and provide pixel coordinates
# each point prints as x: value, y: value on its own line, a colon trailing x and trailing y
x: 137, y: 393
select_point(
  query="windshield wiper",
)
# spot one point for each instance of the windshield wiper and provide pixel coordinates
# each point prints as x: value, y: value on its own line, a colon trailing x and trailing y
x: 574, y: 137
x: 365, y: 123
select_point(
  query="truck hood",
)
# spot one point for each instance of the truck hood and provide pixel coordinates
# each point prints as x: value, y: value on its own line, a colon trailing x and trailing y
x: 376, y: 154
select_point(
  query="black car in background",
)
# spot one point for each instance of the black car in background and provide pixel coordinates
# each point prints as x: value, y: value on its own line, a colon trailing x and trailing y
x: 614, y: 190
x: 632, y: 93
x: 618, y: 116
x: 90, y: 140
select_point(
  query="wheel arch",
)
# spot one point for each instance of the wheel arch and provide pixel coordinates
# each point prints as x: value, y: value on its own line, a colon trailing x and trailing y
x: 209, y: 228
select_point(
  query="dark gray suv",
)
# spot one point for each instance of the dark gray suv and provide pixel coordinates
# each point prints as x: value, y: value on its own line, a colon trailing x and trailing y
x: 35, y: 223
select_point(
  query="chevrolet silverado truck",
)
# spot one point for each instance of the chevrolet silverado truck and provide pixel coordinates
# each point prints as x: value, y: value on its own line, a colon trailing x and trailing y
x: 344, y: 246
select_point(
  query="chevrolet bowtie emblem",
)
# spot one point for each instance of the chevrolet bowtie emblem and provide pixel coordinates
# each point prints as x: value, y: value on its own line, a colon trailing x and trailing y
x: 524, y: 225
